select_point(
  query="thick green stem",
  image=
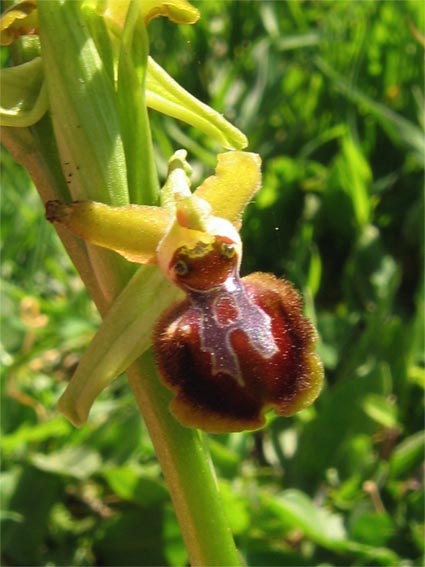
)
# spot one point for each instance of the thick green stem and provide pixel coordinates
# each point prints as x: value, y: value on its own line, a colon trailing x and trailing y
x: 142, y: 177
x: 29, y: 148
x: 188, y: 470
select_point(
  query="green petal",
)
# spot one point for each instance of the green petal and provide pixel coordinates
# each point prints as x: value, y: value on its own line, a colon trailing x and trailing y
x: 237, y: 178
x: 23, y: 94
x: 124, y: 335
x: 167, y: 96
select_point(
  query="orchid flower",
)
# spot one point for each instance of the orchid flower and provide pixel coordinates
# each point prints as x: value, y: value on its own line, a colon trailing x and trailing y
x: 230, y: 351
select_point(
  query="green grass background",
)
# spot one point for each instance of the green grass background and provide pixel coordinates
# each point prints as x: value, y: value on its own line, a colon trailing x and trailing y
x: 330, y: 93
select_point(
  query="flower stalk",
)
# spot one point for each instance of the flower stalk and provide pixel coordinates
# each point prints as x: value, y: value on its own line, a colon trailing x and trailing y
x: 132, y: 110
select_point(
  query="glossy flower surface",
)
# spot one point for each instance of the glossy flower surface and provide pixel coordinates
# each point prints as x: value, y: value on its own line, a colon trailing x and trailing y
x: 235, y: 347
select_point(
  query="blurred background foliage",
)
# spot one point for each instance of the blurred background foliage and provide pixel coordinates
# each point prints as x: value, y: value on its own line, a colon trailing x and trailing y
x: 330, y: 94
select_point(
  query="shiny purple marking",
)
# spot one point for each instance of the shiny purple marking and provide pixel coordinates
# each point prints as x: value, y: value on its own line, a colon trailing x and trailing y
x: 215, y: 333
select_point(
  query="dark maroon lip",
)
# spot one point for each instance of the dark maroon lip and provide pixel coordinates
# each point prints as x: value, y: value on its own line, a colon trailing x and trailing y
x: 232, y: 352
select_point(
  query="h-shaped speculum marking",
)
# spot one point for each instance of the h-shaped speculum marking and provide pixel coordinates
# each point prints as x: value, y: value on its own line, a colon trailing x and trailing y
x: 215, y: 334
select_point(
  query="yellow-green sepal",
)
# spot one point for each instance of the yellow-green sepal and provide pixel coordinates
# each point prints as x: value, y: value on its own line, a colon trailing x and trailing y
x: 134, y: 231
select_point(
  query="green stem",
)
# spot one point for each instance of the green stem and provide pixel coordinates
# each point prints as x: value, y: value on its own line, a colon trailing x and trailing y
x: 33, y: 149
x: 82, y: 101
x: 188, y: 470
x: 133, y: 114
x: 83, y: 105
